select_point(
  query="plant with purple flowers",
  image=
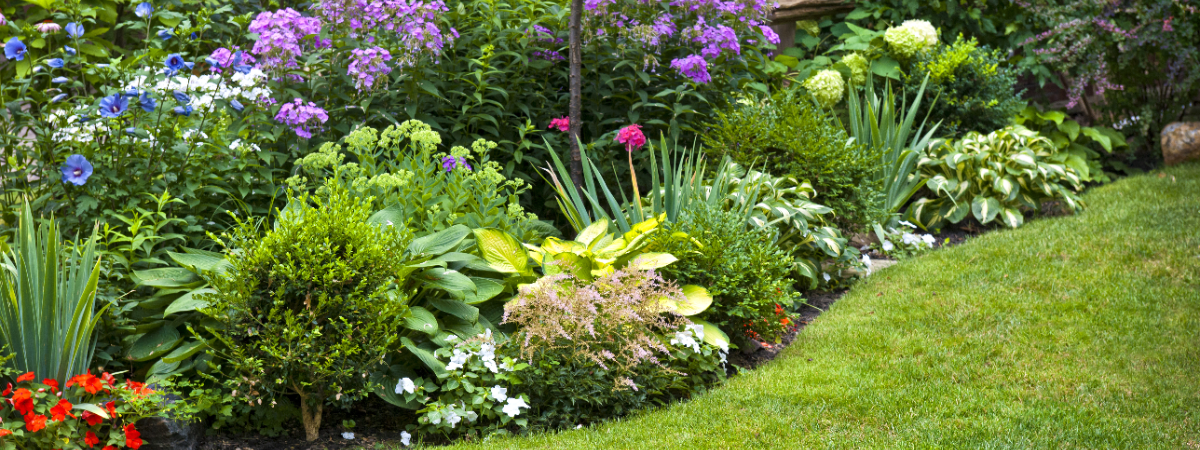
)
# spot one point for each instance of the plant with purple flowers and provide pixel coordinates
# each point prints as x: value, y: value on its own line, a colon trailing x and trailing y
x: 368, y: 67
x: 301, y: 117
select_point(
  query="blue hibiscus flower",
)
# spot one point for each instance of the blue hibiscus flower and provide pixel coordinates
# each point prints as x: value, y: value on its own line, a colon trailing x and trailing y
x: 76, y: 170
x: 113, y: 106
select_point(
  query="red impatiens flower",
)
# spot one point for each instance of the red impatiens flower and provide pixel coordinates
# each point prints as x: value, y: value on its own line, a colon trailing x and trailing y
x: 109, y: 447
x: 8, y: 390
x: 22, y: 401
x: 28, y: 376
x: 561, y: 124
x: 4, y: 432
x: 108, y: 379
x: 785, y: 321
x: 88, y: 382
x: 91, y: 439
x: 92, y: 419
x: 138, y: 389
x: 632, y: 137
x: 778, y: 309
x: 133, y: 439
x: 51, y: 383
x: 61, y: 410
x: 110, y: 408
x: 35, y: 422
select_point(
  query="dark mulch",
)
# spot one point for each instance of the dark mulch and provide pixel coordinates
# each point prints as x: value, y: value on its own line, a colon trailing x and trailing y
x: 817, y: 303
x: 376, y: 422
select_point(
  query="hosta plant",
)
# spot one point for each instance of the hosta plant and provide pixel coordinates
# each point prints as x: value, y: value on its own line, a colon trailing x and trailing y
x: 1087, y: 146
x: 992, y: 177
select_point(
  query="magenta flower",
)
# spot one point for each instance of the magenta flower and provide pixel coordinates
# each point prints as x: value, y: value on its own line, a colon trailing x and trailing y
x: 368, y: 66
x: 632, y: 137
x: 561, y: 124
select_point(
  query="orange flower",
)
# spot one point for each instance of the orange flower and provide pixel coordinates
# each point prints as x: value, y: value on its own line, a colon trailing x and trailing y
x: 108, y: 379
x: 22, y: 401
x: 109, y: 447
x: 778, y: 309
x: 111, y: 410
x: 27, y: 377
x: 785, y: 321
x: 8, y: 390
x: 61, y: 410
x: 133, y: 439
x: 92, y: 419
x: 4, y: 432
x: 52, y: 383
x: 88, y: 382
x: 90, y: 439
x: 35, y: 422
x: 138, y: 389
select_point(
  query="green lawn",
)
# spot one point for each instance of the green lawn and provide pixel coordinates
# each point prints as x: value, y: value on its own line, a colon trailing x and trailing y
x: 1075, y: 332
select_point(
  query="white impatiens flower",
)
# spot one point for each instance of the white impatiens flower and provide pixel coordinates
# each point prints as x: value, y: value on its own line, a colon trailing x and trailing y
x: 406, y: 385
x: 506, y: 366
x: 826, y: 275
x: 929, y: 240
x: 500, y: 393
x: 348, y: 435
x: 452, y: 418
x: 491, y: 366
x: 687, y: 339
x: 405, y: 438
x: 513, y: 407
x: 458, y: 360
x: 910, y: 239
x: 888, y: 246
x: 866, y: 260
x: 924, y: 30
x: 472, y: 416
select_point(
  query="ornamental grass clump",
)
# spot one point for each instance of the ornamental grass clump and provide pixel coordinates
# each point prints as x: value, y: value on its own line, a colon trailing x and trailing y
x: 311, y: 307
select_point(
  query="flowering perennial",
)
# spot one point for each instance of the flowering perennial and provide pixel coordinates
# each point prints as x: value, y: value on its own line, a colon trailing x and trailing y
x: 303, y: 118
x: 280, y: 35
x: 368, y: 67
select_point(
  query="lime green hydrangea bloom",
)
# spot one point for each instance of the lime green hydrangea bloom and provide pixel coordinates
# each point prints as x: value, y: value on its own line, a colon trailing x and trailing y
x: 924, y: 30
x: 810, y: 26
x: 903, y: 42
x: 859, y: 66
x: 827, y: 87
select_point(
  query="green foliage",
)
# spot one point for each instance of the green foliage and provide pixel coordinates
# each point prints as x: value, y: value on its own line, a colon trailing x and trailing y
x: 48, y: 301
x: 992, y: 176
x: 312, y: 306
x: 792, y: 137
x: 743, y: 269
x: 970, y: 88
x: 401, y: 168
x: 1090, y: 148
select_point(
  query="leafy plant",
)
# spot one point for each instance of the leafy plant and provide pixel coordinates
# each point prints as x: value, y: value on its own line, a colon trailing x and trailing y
x: 971, y: 88
x: 48, y: 301
x: 992, y: 176
x: 1090, y: 148
x: 312, y: 306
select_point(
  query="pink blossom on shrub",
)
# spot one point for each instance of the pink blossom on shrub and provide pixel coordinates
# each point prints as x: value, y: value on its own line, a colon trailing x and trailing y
x: 632, y: 137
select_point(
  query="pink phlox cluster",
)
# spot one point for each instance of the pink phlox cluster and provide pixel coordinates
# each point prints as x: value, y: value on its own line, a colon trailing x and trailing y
x: 280, y: 35
x: 301, y: 117
x: 368, y: 66
x: 694, y: 67
x: 632, y: 137
x: 224, y: 56
x: 561, y: 124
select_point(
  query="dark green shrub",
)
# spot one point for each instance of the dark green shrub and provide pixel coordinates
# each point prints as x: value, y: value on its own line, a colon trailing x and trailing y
x: 312, y: 306
x: 743, y: 269
x: 787, y: 135
x: 973, y: 87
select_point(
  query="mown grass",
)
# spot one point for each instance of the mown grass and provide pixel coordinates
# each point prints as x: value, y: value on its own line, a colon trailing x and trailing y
x: 1072, y: 332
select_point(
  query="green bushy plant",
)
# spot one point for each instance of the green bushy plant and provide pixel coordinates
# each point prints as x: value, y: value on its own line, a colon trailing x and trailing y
x: 993, y: 177
x: 603, y: 348
x: 312, y: 306
x: 791, y: 136
x: 970, y: 87
x: 743, y: 269
x: 1091, y: 149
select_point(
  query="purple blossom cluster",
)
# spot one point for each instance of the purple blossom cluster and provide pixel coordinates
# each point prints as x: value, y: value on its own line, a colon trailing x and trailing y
x: 368, y: 67
x: 280, y: 35
x: 414, y: 23
x: 694, y: 67
x: 301, y: 117
x: 224, y: 56
x: 552, y: 43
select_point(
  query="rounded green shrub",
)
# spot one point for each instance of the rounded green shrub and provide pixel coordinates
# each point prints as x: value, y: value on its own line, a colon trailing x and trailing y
x: 973, y: 87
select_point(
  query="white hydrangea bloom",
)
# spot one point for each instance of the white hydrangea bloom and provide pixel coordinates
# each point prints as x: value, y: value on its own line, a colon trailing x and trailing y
x: 903, y: 42
x: 827, y: 87
x: 924, y: 30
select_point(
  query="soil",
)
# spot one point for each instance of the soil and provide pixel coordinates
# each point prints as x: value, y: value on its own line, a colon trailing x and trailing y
x: 371, y: 428
x: 818, y: 302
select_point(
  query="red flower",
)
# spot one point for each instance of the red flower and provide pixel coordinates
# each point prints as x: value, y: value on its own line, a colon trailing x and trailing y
x: 138, y: 389
x: 561, y: 123
x: 35, y: 422
x: 110, y: 407
x: 23, y: 401
x: 8, y: 390
x: 88, y: 382
x: 109, y: 447
x: 51, y: 383
x: 632, y: 137
x: 133, y: 439
x: 778, y: 309
x: 785, y: 321
x: 90, y: 439
x: 61, y: 410
x: 27, y: 377
x: 92, y: 419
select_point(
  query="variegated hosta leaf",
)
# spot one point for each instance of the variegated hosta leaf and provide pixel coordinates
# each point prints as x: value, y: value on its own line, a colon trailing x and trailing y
x: 985, y: 208
x: 1011, y: 217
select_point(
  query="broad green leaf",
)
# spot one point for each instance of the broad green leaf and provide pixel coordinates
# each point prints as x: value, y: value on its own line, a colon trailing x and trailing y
x: 502, y: 252
x: 696, y: 299
x: 440, y: 242
x: 456, y: 308
x: 485, y: 289
x: 571, y: 263
x: 651, y: 261
x: 185, y: 351
x: 452, y: 281
x: 1011, y: 217
x: 201, y: 262
x: 1070, y: 127
x: 712, y: 334
x: 190, y: 301
x: 421, y: 320
x: 154, y: 344
x: 592, y: 232
x: 167, y: 277
x: 427, y: 357
x: 1054, y: 116
x: 985, y: 208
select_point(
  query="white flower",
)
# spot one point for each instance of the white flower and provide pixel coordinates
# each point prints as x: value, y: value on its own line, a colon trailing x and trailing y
x: 449, y: 338
x: 887, y: 246
x: 513, y: 407
x: 491, y: 366
x: 457, y: 361
x: 924, y: 30
x: 826, y: 275
x: 405, y: 438
x: 472, y: 416
x: 686, y: 338
x: 499, y: 393
x: 827, y: 87
x: 578, y: 426
x: 929, y: 240
x: 910, y: 239
x: 507, y: 366
x: 866, y: 260
x: 487, y: 351
x: 406, y: 385
x: 452, y: 418
x: 348, y: 435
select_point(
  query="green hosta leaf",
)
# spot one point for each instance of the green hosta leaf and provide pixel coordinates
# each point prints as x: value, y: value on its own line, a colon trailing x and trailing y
x: 1007, y: 186
x: 189, y: 302
x: 712, y: 334
x: 456, y: 308
x: 438, y: 367
x: 502, y: 252
x: 1103, y: 139
x: 185, y: 351
x: 1070, y: 127
x: 651, y: 261
x: 421, y: 320
x: 167, y: 277
x: 391, y: 216
x: 155, y: 343
x: 201, y: 262
x: 1011, y: 217
x: 985, y: 209
x: 440, y: 242
x: 485, y: 289
x: 1054, y: 116
x: 452, y: 281
x: 926, y: 213
x: 1024, y: 160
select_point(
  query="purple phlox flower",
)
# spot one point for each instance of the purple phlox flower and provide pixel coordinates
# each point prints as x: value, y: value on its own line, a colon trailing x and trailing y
x: 75, y: 30
x: 451, y: 162
x: 14, y: 49
x: 279, y: 37
x: 76, y: 170
x: 144, y: 10
x: 303, y: 118
x: 694, y: 67
x: 770, y: 34
x: 368, y: 66
x: 113, y: 106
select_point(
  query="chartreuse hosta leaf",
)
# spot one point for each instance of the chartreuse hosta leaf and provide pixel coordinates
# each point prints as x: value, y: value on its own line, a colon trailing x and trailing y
x: 696, y: 299
x: 651, y: 261
x: 502, y: 251
x: 712, y: 334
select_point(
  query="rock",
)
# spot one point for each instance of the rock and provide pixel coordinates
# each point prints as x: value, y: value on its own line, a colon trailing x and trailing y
x: 793, y: 10
x: 1181, y: 142
x: 161, y: 433
x: 860, y: 240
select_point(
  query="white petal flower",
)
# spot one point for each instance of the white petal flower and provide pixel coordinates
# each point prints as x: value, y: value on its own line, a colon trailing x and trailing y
x: 507, y: 366
x: 500, y: 393
x: 348, y: 435
x: 929, y: 240
x: 406, y: 385
x: 453, y: 418
x: 513, y: 407
x: 826, y: 275
x: 405, y: 438
x: 472, y: 416
x: 888, y: 246
x: 491, y: 366
x: 866, y: 260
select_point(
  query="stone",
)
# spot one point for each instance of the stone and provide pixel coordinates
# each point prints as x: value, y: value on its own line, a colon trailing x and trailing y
x: 783, y: 18
x: 163, y: 433
x: 1181, y: 142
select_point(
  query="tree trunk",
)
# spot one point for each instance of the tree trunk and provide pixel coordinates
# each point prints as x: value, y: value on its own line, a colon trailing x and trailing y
x: 311, y: 415
x: 576, y: 87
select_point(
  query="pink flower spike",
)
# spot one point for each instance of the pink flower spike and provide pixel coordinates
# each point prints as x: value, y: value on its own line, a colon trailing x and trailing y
x: 632, y: 137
